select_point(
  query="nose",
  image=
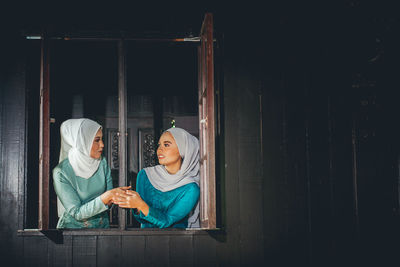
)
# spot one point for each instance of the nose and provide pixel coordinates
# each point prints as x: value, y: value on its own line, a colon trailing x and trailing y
x: 101, y: 143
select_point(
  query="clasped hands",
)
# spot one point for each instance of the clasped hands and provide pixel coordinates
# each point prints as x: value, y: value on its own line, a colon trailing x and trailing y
x: 125, y: 198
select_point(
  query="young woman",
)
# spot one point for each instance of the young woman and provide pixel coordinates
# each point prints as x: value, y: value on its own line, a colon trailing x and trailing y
x: 167, y: 194
x: 82, y: 179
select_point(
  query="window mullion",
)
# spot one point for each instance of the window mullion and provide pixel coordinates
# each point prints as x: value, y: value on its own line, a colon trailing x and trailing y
x: 122, y: 125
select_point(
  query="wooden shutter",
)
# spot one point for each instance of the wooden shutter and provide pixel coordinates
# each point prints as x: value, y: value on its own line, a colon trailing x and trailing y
x: 207, y: 124
x: 44, y: 136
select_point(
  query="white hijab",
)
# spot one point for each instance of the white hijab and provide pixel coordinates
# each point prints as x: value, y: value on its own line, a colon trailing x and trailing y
x: 77, y: 137
x: 188, y: 147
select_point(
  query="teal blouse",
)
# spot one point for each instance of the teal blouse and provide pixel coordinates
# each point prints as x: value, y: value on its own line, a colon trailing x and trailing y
x: 166, y: 209
x: 81, y: 197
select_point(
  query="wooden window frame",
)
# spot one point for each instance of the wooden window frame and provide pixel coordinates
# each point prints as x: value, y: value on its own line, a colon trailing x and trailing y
x: 206, y: 123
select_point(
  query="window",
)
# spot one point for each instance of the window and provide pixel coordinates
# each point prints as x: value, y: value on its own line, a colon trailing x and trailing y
x: 132, y: 106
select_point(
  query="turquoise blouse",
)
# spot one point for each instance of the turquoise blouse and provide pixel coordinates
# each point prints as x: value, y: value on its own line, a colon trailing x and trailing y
x: 166, y: 209
x: 81, y: 197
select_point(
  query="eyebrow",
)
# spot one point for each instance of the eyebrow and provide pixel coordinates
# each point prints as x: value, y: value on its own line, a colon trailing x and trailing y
x: 167, y: 142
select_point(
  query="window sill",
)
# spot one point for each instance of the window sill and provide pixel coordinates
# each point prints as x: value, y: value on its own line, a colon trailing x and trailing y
x: 117, y: 232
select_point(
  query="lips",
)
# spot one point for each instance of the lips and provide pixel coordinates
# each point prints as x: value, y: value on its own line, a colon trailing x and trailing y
x: 161, y: 156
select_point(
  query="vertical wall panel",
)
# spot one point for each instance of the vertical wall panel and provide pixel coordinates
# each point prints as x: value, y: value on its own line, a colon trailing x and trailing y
x: 109, y: 251
x: 250, y: 172
x: 60, y: 254
x: 181, y: 250
x: 204, y: 248
x: 157, y: 250
x: 228, y: 251
x: 84, y: 250
x: 133, y: 250
x: 12, y: 85
x: 35, y: 251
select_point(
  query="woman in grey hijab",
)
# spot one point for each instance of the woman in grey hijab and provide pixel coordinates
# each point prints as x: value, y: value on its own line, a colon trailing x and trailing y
x: 167, y: 194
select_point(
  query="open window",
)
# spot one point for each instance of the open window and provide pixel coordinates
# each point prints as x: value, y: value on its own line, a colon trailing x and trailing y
x: 135, y: 88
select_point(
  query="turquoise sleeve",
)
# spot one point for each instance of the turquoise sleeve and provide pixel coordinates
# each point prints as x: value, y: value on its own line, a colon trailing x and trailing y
x: 71, y: 201
x: 139, y: 188
x: 109, y: 178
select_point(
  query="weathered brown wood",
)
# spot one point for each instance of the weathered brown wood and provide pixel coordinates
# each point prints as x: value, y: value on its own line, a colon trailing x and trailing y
x: 44, y: 138
x: 122, y: 125
x: 207, y: 125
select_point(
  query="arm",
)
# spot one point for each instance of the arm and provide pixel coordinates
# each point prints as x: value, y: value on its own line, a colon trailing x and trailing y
x: 71, y: 201
x: 181, y: 208
x: 183, y: 204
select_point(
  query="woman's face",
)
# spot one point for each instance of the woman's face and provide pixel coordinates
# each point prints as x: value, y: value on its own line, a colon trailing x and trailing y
x: 97, y: 146
x: 168, y: 152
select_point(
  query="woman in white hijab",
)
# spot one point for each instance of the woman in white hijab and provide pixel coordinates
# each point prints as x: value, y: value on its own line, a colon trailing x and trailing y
x: 167, y: 194
x: 82, y: 179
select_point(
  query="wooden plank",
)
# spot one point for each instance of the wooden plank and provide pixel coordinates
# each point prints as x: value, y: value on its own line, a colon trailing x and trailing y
x: 60, y: 254
x: 12, y: 118
x: 109, y: 250
x: 204, y: 250
x: 133, y: 250
x: 35, y: 251
x: 84, y: 251
x: 229, y: 249
x: 157, y: 251
x: 274, y: 185
x: 250, y: 174
x: 181, y: 250
x: 44, y: 139
x: 122, y: 126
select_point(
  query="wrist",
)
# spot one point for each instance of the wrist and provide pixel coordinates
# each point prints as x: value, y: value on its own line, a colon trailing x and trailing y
x: 144, y: 208
x: 106, y: 197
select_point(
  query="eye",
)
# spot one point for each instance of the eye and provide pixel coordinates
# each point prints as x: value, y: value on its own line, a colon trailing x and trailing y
x: 166, y: 145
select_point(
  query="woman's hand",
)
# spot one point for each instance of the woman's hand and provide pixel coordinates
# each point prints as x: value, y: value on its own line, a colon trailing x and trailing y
x: 131, y: 199
x: 108, y: 196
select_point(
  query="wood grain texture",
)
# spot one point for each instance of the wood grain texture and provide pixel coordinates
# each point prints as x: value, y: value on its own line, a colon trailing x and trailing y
x: 84, y: 251
x: 109, y: 251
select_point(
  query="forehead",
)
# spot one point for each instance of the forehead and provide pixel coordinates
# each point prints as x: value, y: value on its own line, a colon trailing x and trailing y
x: 167, y: 136
x: 99, y: 133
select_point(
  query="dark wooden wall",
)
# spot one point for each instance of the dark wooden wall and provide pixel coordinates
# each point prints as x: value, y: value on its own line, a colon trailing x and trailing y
x: 309, y: 157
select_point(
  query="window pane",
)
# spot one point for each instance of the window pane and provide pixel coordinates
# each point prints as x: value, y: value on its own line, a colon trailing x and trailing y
x: 84, y: 84
x: 162, y: 91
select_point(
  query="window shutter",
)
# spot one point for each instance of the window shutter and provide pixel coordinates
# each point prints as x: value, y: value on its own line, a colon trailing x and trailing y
x: 44, y: 136
x: 207, y: 124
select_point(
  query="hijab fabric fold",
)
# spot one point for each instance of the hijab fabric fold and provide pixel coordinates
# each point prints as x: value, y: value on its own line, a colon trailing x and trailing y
x: 77, y: 137
x: 188, y: 147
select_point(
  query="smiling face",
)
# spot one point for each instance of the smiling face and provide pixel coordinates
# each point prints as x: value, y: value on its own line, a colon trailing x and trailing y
x: 168, y: 153
x: 97, y: 146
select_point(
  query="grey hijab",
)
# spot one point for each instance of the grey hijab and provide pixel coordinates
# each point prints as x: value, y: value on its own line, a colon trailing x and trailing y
x: 188, y: 147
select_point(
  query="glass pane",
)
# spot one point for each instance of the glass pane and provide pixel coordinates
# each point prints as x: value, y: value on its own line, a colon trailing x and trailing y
x: 84, y: 84
x: 162, y: 91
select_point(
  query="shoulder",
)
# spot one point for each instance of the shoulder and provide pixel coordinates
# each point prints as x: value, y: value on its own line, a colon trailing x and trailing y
x: 191, y: 188
x: 103, y: 163
x: 142, y: 175
x: 62, y: 169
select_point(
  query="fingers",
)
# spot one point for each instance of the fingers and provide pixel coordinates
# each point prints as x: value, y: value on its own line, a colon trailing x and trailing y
x: 125, y: 187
